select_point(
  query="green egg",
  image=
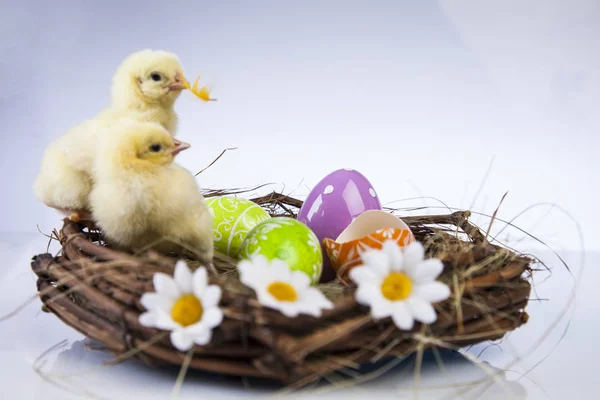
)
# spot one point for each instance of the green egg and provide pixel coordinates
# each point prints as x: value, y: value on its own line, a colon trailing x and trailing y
x: 289, y: 240
x: 233, y: 218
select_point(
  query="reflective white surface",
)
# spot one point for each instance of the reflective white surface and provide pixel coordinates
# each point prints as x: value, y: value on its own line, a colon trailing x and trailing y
x: 44, y: 359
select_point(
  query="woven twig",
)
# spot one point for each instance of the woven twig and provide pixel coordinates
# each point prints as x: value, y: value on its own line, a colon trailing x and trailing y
x: 97, y: 291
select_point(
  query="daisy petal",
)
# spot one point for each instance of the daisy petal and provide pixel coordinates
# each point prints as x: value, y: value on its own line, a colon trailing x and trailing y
x: 147, y: 319
x: 199, y: 281
x: 249, y: 272
x: 280, y: 271
x: 413, y: 256
x: 203, y: 337
x: 255, y: 280
x: 166, y: 286
x: 367, y: 294
x: 312, y: 311
x: 183, y: 277
x: 212, y: 317
x: 300, y: 280
x: 153, y: 301
x: 402, y: 317
x: 266, y: 299
x: 421, y: 310
x: 181, y: 341
x: 427, y: 270
x: 317, y: 295
x: 195, y: 329
x: 288, y: 309
x: 260, y: 261
x: 394, y: 254
x: 244, y: 268
x: 362, y: 275
x: 308, y: 309
x: 210, y: 297
x: 382, y: 309
x: 432, y: 291
x: 377, y: 261
x: 164, y: 321
x: 314, y: 299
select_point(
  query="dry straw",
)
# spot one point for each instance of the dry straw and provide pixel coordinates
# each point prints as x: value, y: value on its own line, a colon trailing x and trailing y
x: 97, y: 291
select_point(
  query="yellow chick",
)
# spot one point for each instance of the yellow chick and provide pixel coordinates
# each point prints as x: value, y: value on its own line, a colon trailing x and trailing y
x: 142, y: 198
x: 145, y: 87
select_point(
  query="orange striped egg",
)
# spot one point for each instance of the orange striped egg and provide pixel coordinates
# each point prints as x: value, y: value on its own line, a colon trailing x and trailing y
x: 368, y: 231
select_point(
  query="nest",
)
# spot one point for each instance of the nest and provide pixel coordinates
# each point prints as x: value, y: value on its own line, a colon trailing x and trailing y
x: 97, y: 291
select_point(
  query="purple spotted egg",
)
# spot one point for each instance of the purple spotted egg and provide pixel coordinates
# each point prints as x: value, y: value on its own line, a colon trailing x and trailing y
x: 334, y: 203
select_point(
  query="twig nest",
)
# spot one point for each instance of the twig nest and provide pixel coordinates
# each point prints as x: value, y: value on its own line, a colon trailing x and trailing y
x: 269, y: 321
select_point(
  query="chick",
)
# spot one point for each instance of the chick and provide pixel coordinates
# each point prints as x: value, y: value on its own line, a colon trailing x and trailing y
x: 145, y: 88
x: 141, y: 197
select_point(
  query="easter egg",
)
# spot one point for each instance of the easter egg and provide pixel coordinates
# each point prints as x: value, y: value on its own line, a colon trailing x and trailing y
x: 233, y: 218
x: 368, y: 231
x: 288, y: 240
x: 334, y: 203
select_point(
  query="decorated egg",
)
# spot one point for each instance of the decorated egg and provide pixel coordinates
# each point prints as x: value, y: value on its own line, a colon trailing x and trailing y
x: 288, y: 240
x: 233, y: 218
x: 334, y: 202
x: 368, y: 231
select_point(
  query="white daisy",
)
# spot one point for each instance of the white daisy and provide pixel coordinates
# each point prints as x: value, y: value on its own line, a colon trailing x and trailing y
x: 401, y: 285
x: 185, y: 305
x: 280, y: 288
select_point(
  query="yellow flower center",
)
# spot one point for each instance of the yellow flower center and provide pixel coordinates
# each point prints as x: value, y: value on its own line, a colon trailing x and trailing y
x: 396, y: 286
x: 187, y: 310
x: 282, y: 291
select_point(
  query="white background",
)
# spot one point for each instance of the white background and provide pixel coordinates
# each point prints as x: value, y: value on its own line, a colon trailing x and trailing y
x: 421, y: 97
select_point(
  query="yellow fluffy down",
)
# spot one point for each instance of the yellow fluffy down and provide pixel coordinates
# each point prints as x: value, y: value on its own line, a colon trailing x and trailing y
x: 140, y: 198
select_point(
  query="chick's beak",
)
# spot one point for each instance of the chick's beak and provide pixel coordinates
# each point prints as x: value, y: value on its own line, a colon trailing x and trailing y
x: 179, y: 147
x: 180, y: 83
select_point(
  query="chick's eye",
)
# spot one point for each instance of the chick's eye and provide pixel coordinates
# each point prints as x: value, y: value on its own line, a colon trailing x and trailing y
x: 155, y: 148
x: 156, y: 77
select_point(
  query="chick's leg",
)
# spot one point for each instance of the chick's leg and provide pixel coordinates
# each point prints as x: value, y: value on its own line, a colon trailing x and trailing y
x: 82, y: 217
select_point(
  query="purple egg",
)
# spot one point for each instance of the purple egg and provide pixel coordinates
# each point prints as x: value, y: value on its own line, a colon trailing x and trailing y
x: 332, y: 205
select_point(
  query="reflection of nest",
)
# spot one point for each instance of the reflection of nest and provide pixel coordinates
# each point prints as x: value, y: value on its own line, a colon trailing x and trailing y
x: 96, y: 290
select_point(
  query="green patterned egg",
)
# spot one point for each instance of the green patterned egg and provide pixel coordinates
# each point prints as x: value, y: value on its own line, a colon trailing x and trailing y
x: 289, y: 240
x: 233, y: 218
